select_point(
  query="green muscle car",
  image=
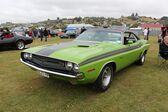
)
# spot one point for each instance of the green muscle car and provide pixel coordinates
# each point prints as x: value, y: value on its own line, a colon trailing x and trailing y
x: 93, y: 57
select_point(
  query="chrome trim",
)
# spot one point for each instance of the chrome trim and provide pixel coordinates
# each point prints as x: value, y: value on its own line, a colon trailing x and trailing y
x: 47, y: 71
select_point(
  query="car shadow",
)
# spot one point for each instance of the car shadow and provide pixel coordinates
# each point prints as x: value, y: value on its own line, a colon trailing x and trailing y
x: 9, y: 48
x: 60, y: 85
x: 55, y: 85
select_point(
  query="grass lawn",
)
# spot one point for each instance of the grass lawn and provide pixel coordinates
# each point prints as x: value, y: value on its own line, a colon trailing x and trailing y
x: 134, y: 89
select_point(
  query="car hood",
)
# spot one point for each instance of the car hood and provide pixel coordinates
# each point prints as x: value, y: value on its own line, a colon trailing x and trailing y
x: 74, y: 51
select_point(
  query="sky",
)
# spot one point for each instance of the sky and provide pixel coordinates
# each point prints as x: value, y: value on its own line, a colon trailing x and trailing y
x: 22, y: 11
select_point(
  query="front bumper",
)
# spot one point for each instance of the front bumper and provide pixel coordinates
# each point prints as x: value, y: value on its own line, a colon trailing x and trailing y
x: 29, y: 41
x: 52, y: 72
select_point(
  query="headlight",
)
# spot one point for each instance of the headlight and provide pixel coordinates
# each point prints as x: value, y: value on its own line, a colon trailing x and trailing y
x: 69, y: 66
x: 27, y: 56
x: 30, y: 56
x: 76, y: 68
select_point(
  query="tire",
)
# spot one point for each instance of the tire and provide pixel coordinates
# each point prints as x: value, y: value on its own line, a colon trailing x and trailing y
x: 105, y: 78
x: 141, y: 61
x: 20, y: 45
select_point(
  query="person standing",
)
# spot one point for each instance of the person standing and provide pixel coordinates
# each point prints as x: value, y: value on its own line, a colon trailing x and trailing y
x: 41, y: 34
x: 46, y: 33
x: 148, y: 33
x: 145, y: 33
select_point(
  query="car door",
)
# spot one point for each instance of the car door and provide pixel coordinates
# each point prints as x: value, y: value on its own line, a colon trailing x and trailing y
x: 135, y: 47
x: 131, y: 50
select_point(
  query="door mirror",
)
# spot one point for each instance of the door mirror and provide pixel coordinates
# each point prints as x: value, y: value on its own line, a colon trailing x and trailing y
x: 130, y: 42
x: 1, y: 38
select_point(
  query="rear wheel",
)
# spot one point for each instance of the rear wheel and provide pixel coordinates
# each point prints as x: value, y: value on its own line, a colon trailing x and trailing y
x: 20, y: 45
x: 141, y: 61
x: 105, y: 78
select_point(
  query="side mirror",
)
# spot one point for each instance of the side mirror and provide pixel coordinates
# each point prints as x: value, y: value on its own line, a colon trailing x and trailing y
x: 1, y: 38
x: 130, y: 42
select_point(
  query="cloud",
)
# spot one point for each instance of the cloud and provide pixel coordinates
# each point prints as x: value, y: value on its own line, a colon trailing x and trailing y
x: 38, y: 10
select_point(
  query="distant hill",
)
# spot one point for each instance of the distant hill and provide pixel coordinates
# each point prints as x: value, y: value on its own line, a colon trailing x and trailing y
x: 130, y: 21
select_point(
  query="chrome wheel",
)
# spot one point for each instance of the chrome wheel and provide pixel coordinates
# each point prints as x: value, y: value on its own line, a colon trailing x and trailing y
x: 20, y: 45
x: 106, y: 77
x: 143, y: 59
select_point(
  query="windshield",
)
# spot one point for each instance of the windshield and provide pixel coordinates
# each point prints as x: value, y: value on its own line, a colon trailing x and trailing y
x: 70, y: 32
x: 101, y: 36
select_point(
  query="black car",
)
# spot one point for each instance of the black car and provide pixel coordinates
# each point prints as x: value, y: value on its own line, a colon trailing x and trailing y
x: 14, y: 40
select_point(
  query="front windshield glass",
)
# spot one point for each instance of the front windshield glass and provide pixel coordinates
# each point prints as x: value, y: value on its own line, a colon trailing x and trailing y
x: 100, y: 36
x: 70, y: 32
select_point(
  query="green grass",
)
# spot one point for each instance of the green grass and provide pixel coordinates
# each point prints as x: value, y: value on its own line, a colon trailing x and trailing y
x: 134, y: 89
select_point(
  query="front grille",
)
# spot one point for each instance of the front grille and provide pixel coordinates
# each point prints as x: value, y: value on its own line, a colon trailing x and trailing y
x: 51, y: 64
x: 46, y: 62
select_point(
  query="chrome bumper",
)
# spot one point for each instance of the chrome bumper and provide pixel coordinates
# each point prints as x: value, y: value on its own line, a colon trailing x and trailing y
x: 50, y: 72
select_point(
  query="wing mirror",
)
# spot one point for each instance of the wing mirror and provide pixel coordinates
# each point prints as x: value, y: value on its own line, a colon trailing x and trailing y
x: 130, y: 42
x: 2, y: 38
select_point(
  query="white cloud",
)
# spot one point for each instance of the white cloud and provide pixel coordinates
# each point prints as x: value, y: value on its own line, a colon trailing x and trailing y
x: 38, y: 10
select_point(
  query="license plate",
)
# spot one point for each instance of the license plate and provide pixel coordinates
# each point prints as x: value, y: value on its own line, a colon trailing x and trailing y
x: 44, y: 74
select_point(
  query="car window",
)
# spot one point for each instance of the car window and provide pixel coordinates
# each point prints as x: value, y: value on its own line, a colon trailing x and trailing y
x: 131, y: 36
x: 126, y: 34
x: 101, y: 36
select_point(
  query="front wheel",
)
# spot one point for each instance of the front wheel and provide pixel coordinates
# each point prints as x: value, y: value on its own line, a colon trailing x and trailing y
x: 141, y: 61
x: 105, y: 78
x: 20, y: 45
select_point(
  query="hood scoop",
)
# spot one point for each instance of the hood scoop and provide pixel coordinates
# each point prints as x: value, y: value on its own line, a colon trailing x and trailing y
x: 83, y: 45
x: 86, y: 44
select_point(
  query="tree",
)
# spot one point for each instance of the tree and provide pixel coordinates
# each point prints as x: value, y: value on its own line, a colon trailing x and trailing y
x: 164, y: 21
x: 135, y: 25
x: 164, y: 18
x: 132, y: 15
x: 58, y: 18
x: 116, y: 23
x: 136, y: 15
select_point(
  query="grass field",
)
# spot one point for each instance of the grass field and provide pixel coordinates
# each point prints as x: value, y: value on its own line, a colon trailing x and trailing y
x: 134, y: 89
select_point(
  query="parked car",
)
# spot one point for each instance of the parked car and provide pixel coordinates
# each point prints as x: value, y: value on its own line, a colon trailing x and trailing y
x: 53, y: 33
x: 59, y: 33
x: 93, y: 57
x: 69, y: 34
x: 15, y: 40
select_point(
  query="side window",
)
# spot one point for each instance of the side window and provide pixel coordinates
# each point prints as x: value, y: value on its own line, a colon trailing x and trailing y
x: 129, y: 36
x: 126, y: 34
x: 132, y: 37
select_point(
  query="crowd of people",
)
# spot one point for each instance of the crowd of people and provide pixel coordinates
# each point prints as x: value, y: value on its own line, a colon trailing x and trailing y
x: 5, y: 33
x: 39, y: 33
x: 42, y: 33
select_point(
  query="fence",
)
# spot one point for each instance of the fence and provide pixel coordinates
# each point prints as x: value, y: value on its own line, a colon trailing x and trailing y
x: 153, y: 32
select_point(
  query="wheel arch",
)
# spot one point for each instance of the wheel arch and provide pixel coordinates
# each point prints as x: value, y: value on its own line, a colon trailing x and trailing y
x: 19, y: 40
x: 145, y: 51
x: 112, y: 63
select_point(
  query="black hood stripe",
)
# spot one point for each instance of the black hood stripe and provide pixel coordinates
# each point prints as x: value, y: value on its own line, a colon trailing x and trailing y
x: 53, y: 48
x: 109, y: 54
